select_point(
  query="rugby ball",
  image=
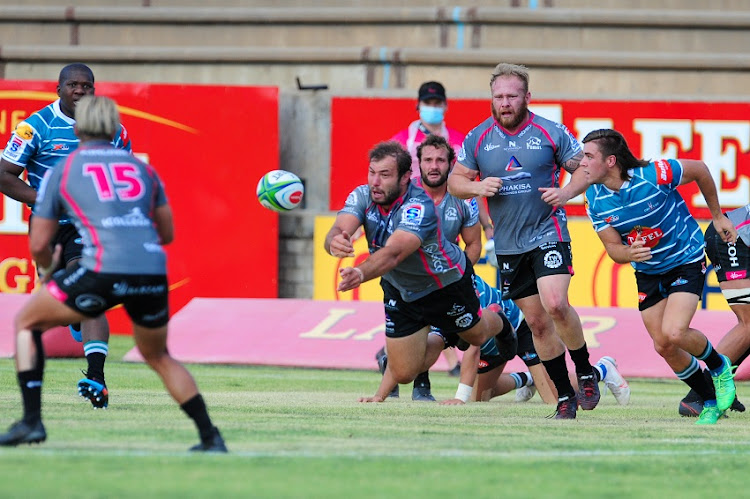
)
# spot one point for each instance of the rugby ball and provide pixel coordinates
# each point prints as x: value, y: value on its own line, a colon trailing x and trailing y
x: 280, y: 190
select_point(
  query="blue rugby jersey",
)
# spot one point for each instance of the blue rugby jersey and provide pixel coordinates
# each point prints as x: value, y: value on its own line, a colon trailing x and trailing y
x: 43, y: 139
x: 649, y: 206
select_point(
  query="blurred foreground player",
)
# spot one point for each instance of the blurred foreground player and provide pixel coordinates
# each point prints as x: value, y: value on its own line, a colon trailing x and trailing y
x: 118, y: 205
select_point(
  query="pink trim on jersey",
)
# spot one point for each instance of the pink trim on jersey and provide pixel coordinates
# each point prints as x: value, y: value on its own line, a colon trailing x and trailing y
x: 546, y: 134
x: 557, y: 227
x: 79, y: 213
x: 481, y: 138
x: 57, y: 293
x: 746, y: 222
x: 427, y: 267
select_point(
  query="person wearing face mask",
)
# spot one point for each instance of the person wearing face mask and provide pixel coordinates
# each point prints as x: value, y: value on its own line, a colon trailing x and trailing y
x: 431, y: 106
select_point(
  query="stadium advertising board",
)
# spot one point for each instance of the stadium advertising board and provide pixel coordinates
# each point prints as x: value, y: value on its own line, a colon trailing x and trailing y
x: 717, y: 133
x: 598, y: 281
x: 190, y: 134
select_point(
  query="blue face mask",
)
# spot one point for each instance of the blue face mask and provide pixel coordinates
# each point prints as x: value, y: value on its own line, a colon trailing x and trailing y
x: 431, y: 115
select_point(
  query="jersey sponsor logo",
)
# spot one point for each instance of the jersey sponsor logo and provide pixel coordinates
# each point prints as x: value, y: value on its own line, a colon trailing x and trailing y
x: 351, y: 199
x: 534, y: 143
x: 553, y: 259
x: 732, y: 255
x: 490, y: 147
x: 413, y: 214
x: 134, y: 218
x: 663, y: 172
x: 473, y: 206
x: 456, y: 310
x: 73, y: 278
x: 60, y: 147
x: 15, y: 148
x: 123, y: 289
x: 461, y: 156
x: 650, y: 237
x: 451, y: 213
x: 736, y: 274
x: 517, y: 176
x: 680, y: 281
x: 512, y: 146
x: 464, y: 320
x: 611, y: 218
x: 513, y: 164
x: 25, y: 131
x: 90, y: 302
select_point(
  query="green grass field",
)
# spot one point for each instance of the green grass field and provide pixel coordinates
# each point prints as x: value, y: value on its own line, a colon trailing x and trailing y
x: 301, y: 433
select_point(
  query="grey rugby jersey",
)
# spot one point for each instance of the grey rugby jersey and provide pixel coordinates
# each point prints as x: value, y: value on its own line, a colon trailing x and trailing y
x: 455, y: 214
x: 525, y: 161
x: 436, y: 264
x: 110, y: 196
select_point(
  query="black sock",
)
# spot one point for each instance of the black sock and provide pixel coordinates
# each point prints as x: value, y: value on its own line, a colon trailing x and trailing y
x: 698, y: 382
x: 422, y: 379
x: 558, y: 373
x: 580, y: 358
x: 195, y: 408
x: 31, y: 392
x: 711, y: 357
x: 96, y: 366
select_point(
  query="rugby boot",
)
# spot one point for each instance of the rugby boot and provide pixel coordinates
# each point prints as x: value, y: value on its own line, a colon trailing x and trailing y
x: 212, y: 443
x: 588, y: 391
x: 95, y: 391
x: 22, y: 432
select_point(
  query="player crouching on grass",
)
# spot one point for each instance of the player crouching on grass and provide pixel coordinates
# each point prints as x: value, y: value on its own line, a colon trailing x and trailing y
x: 426, y: 279
x: 123, y: 227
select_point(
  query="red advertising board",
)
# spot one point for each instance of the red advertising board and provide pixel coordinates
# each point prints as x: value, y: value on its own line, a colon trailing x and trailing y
x: 715, y: 132
x: 210, y: 147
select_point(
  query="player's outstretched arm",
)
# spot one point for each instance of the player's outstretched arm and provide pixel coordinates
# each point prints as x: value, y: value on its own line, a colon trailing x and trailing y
x: 469, y: 365
x: 400, y: 245
x: 697, y: 171
x: 387, y: 384
x: 338, y: 241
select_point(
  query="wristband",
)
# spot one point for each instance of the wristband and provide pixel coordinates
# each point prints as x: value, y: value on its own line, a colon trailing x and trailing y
x: 361, y: 274
x: 463, y: 393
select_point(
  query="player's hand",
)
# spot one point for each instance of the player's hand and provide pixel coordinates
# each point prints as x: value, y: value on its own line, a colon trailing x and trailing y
x: 452, y: 402
x: 553, y: 196
x: 374, y: 398
x: 639, y: 252
x: 46, y: 273
x: 725, y: 228
x: 341, y: 245
x: 489, y: 187
x: 351, y: 277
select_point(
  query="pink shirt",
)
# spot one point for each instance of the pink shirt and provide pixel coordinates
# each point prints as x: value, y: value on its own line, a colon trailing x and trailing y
x: 413, y: 135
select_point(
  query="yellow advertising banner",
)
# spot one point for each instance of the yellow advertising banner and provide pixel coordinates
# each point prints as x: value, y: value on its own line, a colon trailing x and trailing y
x: 598, y: 281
